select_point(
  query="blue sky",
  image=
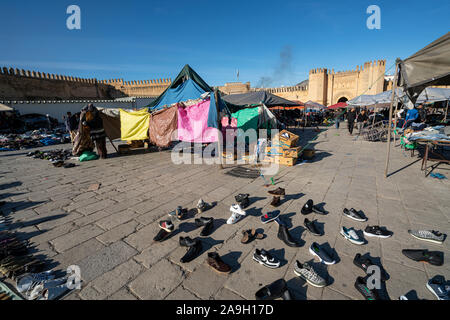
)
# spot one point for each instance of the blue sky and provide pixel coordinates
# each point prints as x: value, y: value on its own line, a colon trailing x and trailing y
x: 140, y: 40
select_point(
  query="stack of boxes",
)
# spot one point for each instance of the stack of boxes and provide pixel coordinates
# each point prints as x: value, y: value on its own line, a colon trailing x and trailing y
x: 284, y: 149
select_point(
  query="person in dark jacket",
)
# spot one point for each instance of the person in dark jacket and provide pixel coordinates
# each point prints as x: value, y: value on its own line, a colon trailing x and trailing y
x: 351, y: 116
x: 93, y: 120
x: 361, y: 120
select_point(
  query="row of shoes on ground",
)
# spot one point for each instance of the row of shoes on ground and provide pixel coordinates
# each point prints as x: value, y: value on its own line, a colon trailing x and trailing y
x: 423, y: 255
x: 43, y: 286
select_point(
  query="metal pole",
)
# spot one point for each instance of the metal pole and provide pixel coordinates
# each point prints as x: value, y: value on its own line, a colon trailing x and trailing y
x: 446, y: 110
x: 388, y: 145
x: 219, y: 128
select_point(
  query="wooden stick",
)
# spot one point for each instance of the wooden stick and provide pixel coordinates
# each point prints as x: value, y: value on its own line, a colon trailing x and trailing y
x: 446, y: 110
x: 390, y: 119
x: 112, y: 143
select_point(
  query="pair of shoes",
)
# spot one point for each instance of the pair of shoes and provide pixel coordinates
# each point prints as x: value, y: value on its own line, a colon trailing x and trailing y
x: 275, y: 290
x: 178, y: 213
x: 275, y: 201
x: 355, y: 215
x: 166, y: 229
x: 277, y: 192
x: 242, y: 199
x: 423, y: 255
x: 309, y: 207
x: 320, y: 253
x: 269, y: 216
x: 202, y: 206
x: 236, y: 214
x: 311, y: 227
x: 368, y: 294
x: 217, y: 263
x: 307, y: 273
x: 350, y: 235
x: 365, y: 263
x: 266, y: 259
x: 428, y: 235
x: 195, y: 248
x: 284, y: 235
x: 377, y: 231
x: 207, y: 223
x: 439, y: 287
x: 249, y: 235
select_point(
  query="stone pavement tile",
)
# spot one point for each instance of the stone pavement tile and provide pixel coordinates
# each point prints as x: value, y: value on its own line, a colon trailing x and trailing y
x: 343, y: 278
x: 52, y: 205
x: 115, y: 219
x: 195, y: 281
x: 330, y: 294
x: 143, y: 238
x: 122, y: 294
x: 112, y: 281
x: 226, y: 294
x: 94, y: 207
x: 180, y: 293
x: 90, y: 293
x: 91, y: 219
x: 118, y: 232
x: 105, y: 259
x: 78, y: 253
x: 158, y: 282
x: 156, y: 252
x: 426, y: 216
x: 50, y: 234
x: 405, y: 280
x: 55, y: 220
x: 75, y: 237
x: 80, y: 204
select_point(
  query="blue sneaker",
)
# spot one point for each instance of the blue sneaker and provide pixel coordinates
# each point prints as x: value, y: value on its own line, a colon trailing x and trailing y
x: 270, y: 216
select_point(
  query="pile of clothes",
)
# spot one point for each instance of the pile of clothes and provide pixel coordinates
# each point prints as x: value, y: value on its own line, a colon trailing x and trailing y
x: 33, y: 139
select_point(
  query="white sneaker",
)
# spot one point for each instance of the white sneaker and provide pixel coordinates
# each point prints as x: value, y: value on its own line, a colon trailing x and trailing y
x: 237, y: 209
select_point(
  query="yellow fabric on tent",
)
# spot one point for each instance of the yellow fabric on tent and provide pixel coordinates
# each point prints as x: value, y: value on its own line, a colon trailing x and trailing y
x: 134, y: 125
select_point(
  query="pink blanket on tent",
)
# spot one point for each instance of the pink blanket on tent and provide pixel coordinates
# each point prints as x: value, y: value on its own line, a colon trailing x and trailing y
x: 192, y: 123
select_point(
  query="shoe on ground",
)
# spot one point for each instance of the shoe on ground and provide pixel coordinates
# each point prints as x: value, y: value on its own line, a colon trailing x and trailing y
x: 320, y: 253
x: 428, y: 235
x: 193, y: 252
x: 307, y: 207
x: 201, y: 206
x: 217, y: 263
x: 438, y: 287
x: 350, y: 235
x: 353, y: 214
x: 377, y: 231
x: 207, y: 223
x: 277, y: 192
x: 236, y: 208
x: 187, y: 242
x: 307, y: 273
x: 249, y: 235
x: 236, y: 214
x: 275, y: 290
x: 422, y: 255
x: 275, y: 201
x: 318, y: 210
x: 368, y: 294
x: 311, y: 227
x: 241, y: 197
x: 177, y: 214
x: 166, y: 225
x: 266, y: 259
x: 365, y: 263
x: 161, y: 235
x: 285, y: 236
x: 269, y: 216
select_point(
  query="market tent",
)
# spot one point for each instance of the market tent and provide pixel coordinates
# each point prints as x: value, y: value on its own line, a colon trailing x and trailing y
x: 257, y: 98
x: 5, y: 108
x: 427, y: 67
x: 362, y: 100
x: 314, y: 105
x: 338, y: 105
x: 431, y: 94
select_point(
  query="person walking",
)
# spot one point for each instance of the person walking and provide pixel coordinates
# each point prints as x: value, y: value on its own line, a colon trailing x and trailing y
x: 361, y: 120
x: 351, y: 116
x: 93, y: 120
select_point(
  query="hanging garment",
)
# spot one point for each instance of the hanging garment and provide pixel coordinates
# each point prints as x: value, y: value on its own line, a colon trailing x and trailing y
x: 162, y: 125
x: 193, y: 123
x: 134, y: 125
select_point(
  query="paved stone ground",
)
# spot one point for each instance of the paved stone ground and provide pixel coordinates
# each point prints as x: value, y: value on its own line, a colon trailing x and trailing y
x: 109, y: 232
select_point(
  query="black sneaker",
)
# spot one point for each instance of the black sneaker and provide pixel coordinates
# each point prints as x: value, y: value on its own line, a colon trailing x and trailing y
x: 377, y: 231
x: 353, y: 214
x: 266, y: 259
x: 433, y: 257
x: 307, y: 207
x: 320, y: 253
x: 365, y: 263
x: 242, y: 199
x: 368, y: 294
x: 311, y: 227
x: 208, y: 224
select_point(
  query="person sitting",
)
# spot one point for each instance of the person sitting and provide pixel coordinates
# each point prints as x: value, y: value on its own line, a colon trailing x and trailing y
x: 411, y: 116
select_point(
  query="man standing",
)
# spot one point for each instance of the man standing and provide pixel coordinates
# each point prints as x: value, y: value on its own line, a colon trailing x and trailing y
x: 93, y: 120
x: 351, y: 116
x: 361, y: 120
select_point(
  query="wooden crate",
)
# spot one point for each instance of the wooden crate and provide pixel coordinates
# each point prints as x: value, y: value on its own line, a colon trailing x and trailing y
x: 291, y: 152
x: 288, y: 142
x: 281, y: 160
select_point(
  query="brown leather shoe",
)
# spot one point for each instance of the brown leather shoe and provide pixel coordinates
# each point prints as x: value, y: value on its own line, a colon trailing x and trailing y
x: 216, y: 263
x: 250, y: 234
x: 275, y: 201
x: 277, y: 192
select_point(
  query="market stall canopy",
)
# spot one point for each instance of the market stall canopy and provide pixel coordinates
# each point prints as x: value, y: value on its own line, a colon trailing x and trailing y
x: 314, y: 105
x: 427, y: 67
x: 434, y: 94
x: 258, y: 97
x: 5, y: 108
x: 338, y: 105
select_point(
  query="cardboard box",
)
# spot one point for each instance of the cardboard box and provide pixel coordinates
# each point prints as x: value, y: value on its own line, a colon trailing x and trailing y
x: 283, y: 152
x: 290, y: 141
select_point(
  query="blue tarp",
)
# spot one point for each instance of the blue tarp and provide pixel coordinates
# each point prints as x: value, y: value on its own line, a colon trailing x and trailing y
x: 188, y: 90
